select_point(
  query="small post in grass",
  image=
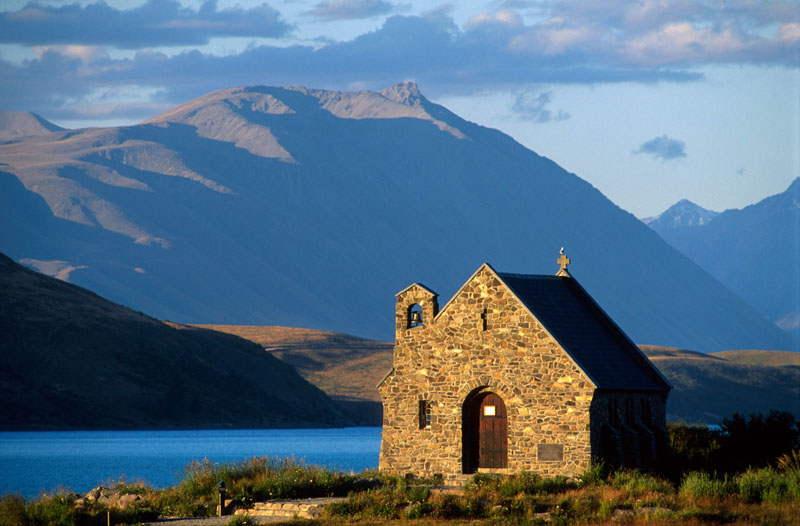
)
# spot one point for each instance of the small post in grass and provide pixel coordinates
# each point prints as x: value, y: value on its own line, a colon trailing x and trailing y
x: 222, y: 490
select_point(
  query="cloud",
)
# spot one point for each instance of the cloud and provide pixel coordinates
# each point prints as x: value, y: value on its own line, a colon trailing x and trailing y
x: 154, y: 23
x: 349, y: 9
x: 431, y: 49
x: 664, y: 148
x: 567, y: 42
x: 533, y: 107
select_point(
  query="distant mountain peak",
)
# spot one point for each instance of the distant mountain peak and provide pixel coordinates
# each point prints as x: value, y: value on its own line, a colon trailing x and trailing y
x: 405, y: 93
x: 15, y: 124
x: 684, y: 213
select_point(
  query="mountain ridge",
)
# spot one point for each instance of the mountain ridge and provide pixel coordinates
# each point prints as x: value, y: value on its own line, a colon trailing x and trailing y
x: 753, y: 251
x: 18, y: 124
x: 253, y: 214
x: 74, y: 360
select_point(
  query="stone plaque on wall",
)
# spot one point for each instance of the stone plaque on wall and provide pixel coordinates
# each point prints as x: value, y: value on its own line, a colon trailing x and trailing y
x: 550, y: 452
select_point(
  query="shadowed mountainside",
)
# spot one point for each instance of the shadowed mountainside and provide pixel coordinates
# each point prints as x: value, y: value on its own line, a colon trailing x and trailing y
x: 312, y: 208
x: 771, y: 358
x: 706, y: 388
x: 72, y: 359
x: 345, y: 367
x: 752, y: 251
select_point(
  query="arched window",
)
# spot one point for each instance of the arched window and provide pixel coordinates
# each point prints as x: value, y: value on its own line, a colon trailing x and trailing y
x: 414, y: 316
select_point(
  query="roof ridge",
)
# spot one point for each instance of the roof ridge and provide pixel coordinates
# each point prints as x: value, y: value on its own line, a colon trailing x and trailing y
x: 528, y: 276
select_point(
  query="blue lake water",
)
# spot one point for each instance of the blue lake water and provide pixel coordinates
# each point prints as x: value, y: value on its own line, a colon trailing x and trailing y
x: 31, y: 462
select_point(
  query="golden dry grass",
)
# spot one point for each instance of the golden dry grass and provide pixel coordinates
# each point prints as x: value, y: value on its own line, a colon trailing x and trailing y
x: 345, y: 367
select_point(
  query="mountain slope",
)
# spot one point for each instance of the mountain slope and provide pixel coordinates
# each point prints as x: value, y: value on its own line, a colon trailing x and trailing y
x: 72, y: 359
x: 753, y: 251
x: 16, y: 124
x: 298, y: 207
x: 345, y: 367
x: 706, y: 388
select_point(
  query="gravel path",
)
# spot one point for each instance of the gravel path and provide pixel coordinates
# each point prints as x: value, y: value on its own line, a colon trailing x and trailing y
x: 210, y: 521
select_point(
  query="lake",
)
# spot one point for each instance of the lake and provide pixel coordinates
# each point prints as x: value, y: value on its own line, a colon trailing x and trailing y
x: 80, y: 460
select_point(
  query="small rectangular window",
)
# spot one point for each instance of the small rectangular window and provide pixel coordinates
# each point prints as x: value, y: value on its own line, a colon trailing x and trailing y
x: 489, y: 410
x: 646, y: 411
x: 613, y: 412
x: 424, y: 414
x: 629, y: 411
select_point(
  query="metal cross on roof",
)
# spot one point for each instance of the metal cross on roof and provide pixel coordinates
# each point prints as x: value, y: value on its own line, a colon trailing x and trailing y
x: 563, y: 260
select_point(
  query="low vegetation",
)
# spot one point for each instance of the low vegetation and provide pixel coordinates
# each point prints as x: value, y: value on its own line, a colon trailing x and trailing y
x: 710, y: 482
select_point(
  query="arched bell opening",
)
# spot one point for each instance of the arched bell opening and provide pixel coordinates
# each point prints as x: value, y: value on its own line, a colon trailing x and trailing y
x: 414, y: 316
x: 484, y: 431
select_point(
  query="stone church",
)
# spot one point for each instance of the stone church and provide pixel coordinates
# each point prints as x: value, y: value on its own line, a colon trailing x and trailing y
x: 517, y: 373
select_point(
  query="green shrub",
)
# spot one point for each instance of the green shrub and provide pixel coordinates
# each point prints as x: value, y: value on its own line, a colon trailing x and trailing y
x: 789, y: 462
x: 52, y: 510
x: 637, y: 483
x: 255, y: 479
x: 759, y: 440
x: 593, y: 476
x: 418, y: 510
x: 447, y: 506
x: 694, y: 448
x: 768, y: 485
x: 700, y: 484
x: 242, y: 520
x: 13, y: 511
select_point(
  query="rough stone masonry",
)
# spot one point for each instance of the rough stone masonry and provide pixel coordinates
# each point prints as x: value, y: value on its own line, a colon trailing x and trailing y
x: 559, y: 413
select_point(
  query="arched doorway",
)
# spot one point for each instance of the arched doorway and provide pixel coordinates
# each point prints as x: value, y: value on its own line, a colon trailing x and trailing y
x: 484, y: 428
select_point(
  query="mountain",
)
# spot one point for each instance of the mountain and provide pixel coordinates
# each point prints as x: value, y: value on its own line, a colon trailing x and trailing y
x: 752, y: 251
x: 16, y: 124
x: 682, y: 214
x: 312, y: 208
x: 71, y: 359
x: 706, y: 387
x: 345, y: 367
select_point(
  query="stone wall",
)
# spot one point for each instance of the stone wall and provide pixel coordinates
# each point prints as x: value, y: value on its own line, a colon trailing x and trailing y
x: 484, y: 339
x: 629, y: 429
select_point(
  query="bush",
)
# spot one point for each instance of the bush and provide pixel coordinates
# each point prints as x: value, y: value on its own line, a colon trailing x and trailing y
x: 637, y: 483
x: 759, y: 440
x: 694, y: 448
x: 242, y: 520
x: 767, y: 485
x: 255, y: 479
x: 446, y: 506
x: 13, y: 511
x: 593, y: 476
x: 699, y: 484
x: 790, y: 462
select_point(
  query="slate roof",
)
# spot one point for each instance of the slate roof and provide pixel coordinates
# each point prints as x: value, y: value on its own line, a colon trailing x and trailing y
x: 586, y: 332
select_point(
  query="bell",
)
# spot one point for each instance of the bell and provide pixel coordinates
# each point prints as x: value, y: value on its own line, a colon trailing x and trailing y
x: 416, y: 318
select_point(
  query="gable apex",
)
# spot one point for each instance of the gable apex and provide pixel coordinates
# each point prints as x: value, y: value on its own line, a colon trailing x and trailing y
x: 419, y: 286
x: 461, y: 288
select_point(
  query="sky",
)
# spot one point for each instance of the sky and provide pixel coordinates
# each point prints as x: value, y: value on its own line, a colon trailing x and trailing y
x: 651, y: 101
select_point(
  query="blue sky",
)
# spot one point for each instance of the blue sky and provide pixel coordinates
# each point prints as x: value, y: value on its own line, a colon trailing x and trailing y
x: 651, y: 101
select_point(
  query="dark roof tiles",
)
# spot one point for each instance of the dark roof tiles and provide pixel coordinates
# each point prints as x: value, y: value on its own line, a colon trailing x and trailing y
x: 596, y: 344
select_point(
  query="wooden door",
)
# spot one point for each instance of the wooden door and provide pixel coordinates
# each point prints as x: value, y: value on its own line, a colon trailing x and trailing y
x: 493, y: 433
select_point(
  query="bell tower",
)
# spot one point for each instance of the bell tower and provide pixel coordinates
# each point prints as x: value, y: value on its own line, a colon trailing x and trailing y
x: 416, y: 307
